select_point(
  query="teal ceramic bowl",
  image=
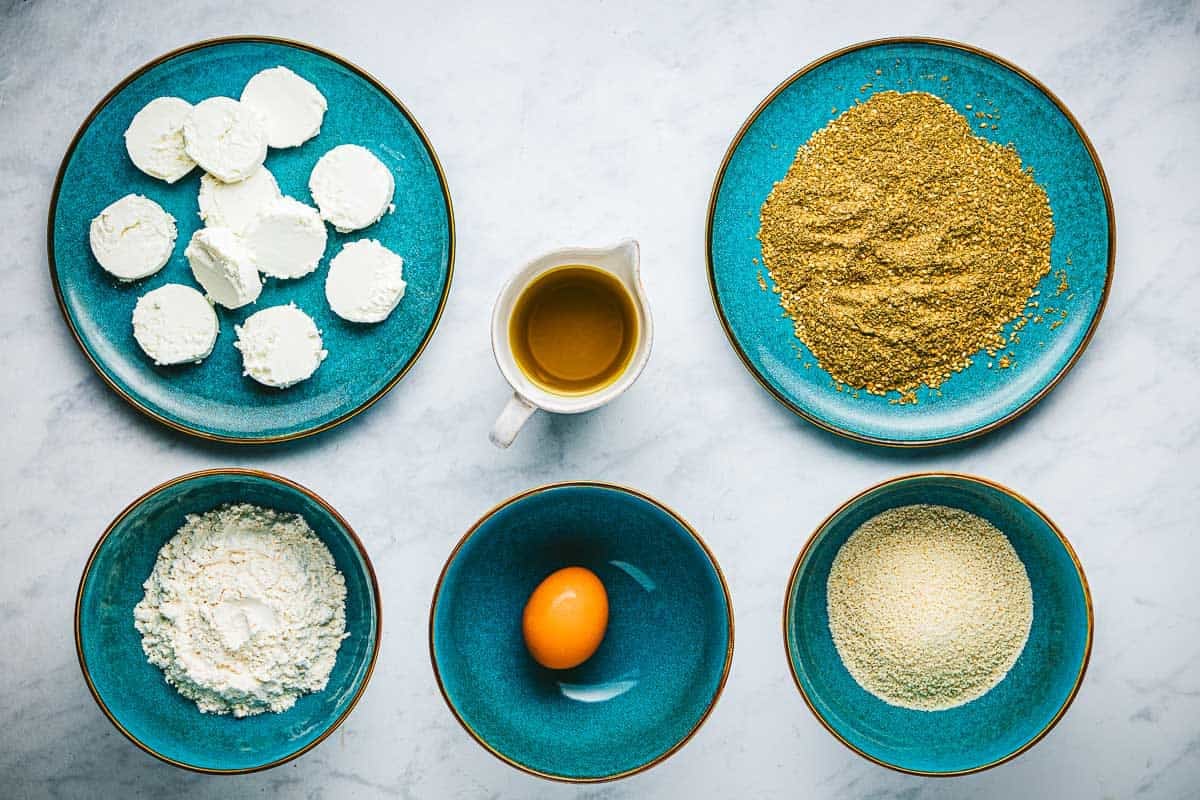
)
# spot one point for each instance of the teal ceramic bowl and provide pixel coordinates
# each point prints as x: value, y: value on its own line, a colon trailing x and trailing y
x: 133, y: 694
x: 1006, y: 721
x: 213, y: 400
x: 656, y: 675
x: 1046, y: 136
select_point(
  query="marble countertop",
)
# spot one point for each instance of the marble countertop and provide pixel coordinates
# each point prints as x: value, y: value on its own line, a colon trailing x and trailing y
x: 581, y: 124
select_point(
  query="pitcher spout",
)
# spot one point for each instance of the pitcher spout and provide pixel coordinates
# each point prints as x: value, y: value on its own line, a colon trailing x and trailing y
x: 625, y: 262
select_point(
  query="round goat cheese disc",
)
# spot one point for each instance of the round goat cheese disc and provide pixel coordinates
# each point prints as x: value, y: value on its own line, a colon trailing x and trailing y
x: 352, y: 187
x: 175, y: 324
x: 154, y: 139
x: 287, y: 239
x: 227, y: 139
x: 365, y: 282
x: 280, y: 346
x: 223, y: 265
x: 133, y: 237
x: 236, y: 205
x: 292, y: 107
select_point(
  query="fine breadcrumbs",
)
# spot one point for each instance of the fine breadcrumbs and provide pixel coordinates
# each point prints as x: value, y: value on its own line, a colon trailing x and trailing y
x: 929, y: 606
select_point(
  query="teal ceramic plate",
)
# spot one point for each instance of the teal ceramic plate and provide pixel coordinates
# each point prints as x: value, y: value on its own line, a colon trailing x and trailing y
x: 658, y: 671
x: 1006, y: 721
x: 1047, y: 137
x: 133, y: 694
x: 212, y: 399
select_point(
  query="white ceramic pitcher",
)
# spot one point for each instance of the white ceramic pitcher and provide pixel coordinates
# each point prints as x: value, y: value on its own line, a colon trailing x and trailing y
x: 623, y: 262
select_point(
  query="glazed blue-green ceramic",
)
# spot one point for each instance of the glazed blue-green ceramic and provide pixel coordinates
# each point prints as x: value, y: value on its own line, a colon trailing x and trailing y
x: 1006, y: 721
x: 213, y: 399
x: 656, y: 675
x: 133, y: 694
x: 1047, y: 138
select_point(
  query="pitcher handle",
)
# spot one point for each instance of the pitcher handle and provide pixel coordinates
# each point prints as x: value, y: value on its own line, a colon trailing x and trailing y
x: 516, y: 413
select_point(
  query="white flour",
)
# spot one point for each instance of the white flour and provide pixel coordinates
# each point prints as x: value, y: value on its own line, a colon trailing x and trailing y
x: 244, y: 610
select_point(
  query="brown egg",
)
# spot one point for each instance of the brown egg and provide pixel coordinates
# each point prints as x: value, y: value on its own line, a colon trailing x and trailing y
x: 565, y: 618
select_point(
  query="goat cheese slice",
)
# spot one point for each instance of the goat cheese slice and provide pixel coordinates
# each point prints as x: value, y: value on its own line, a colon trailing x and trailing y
x: 227, y: 139
x: 352, y: 187
x: 287, y: 239
x: 280, y: 346
x: 133, y: 237
x: 236, y: 205
x: 292, y: 106
x: 365, y: 282
x: 223, y: 265
x: 154, y: 139
x: 175, y: 324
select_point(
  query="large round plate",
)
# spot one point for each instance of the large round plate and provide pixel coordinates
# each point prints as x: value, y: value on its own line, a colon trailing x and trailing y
x: 213, y: 400
x: 1047, y: 138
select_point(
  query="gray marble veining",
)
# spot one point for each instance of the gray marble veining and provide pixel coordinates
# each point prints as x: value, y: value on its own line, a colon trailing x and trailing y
x: 581, y: 124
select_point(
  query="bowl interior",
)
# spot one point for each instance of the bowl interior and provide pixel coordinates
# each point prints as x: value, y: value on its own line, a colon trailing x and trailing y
x: 658, y: 670
x: 1005, y: 720
x: 134, y: 692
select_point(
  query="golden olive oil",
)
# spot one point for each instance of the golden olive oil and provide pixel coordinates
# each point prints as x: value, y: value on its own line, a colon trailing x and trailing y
x: 573, y: 330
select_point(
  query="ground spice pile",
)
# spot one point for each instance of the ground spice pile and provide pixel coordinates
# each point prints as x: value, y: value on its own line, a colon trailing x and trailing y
x: 901, y: 244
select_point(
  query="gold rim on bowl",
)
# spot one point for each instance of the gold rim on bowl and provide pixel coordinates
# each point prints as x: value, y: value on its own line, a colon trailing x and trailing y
x: 58, y: 292
x: 1062, y: 371
x: 273, y: 478
x: 728, y: 614
x: 1087, y: 597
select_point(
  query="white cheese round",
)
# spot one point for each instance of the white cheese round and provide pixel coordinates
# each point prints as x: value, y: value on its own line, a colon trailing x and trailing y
x: 280, y: 346
x: 236, y: 205
x: 287, y: 239
x: 175, y: 324
x: 154, y: 139
x: 133, y: 237
x: 227, y: 139
x: 223, y: 265
x: 292, y: 107
x: 352, y: 187
x: 365, y: 282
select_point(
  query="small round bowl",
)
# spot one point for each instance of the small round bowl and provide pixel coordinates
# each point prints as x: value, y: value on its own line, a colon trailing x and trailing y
x: 656, y: 675
x: 133, y: 694
x: 1006, y: 721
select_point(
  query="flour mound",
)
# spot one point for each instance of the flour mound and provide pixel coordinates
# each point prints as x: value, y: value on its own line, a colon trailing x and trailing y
x: 244, y: 611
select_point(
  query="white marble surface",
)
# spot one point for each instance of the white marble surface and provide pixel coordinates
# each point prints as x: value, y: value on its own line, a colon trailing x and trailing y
x: 580, y: 124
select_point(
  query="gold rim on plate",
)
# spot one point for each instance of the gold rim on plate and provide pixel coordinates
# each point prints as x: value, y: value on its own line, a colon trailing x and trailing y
x: 253, y: 473
x: 728, y: 615
x: 1054, y: 380
x: 1083, y: 583
x: 58, y: 292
